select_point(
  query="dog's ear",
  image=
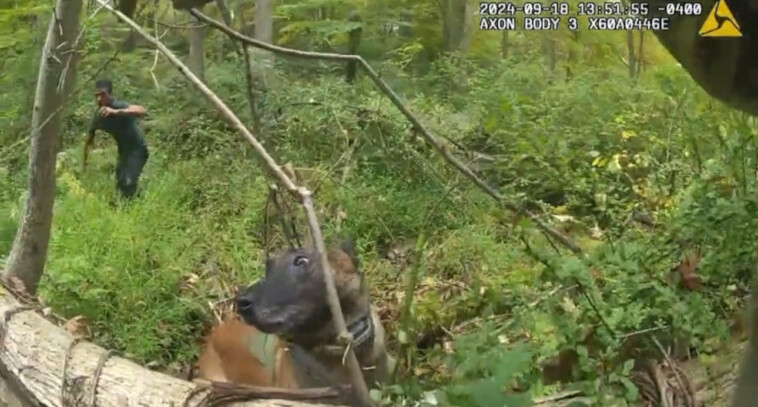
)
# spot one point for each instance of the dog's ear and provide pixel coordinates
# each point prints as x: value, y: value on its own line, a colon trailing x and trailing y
x: 350, y: 248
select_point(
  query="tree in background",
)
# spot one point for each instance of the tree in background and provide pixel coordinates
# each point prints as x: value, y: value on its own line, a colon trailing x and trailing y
x: 57, y: 72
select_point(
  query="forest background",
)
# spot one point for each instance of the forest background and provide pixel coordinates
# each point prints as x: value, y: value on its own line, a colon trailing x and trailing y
x: 601, y: 134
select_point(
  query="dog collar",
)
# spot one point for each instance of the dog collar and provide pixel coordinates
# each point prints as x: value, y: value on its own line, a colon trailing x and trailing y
x: 362, y: 330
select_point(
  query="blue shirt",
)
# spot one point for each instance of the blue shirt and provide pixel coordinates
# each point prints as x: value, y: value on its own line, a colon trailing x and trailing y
x: 124, y: 129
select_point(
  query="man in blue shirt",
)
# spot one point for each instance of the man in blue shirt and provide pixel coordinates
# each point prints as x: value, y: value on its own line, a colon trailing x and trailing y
x: 120, y: 119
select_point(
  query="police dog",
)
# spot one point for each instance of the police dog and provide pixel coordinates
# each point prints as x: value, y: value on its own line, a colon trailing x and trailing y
x: 286, y: 338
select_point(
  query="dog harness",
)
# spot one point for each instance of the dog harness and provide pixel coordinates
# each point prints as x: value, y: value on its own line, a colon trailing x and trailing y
x: 263, y: 347
x: 307, y: 368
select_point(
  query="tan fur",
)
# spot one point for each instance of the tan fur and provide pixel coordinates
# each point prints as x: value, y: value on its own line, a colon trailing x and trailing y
x: 227, y: 357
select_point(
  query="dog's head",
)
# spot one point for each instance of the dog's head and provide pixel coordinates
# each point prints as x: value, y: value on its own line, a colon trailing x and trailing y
x: 291, y: 300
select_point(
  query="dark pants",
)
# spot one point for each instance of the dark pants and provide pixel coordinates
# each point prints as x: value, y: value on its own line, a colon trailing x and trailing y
x: 128, y: 170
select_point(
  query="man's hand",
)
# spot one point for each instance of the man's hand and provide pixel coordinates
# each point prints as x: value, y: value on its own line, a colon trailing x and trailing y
x: 106, y: 111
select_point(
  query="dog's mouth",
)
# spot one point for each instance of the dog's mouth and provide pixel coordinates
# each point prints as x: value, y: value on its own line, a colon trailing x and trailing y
x: 272, y: 321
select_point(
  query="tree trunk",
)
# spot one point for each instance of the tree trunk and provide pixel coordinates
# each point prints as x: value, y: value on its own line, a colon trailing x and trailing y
x: 573, y: 54
x: 550, y: 52
x: 29, y: 253
x: 505, y: 45
x: 453, y: 22
x: 467, y: 29
x: 226, y: 15
x: 641, y: 54
x: 264, y: 31
x: 631, y: 54
x: 260, y: 63
x: 406, y: 30
x: 353, y: 42
x: 130, y: 43
x: 197, y: 51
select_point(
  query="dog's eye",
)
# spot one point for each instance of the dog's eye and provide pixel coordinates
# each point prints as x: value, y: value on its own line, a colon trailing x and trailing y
x: 300, y: 261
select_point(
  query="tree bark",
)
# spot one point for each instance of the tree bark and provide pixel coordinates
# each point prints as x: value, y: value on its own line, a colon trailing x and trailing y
x: 467, y: 29
x: 226, y: 16
x: 56, y: 75
x: 453, y: 22
x: 197, y: 51
x: 353, y: 42
x: 264, y: 31
x: 260, y: 63
x: 631, y: 54
x: 549, y: 47
x: 573, y: 54
x: 505, y: 44
x: 641, y: 54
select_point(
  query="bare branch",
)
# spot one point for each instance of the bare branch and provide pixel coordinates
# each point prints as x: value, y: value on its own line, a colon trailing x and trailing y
x: 155, y: 59
x: 359, y: 385
x: 430, y: 138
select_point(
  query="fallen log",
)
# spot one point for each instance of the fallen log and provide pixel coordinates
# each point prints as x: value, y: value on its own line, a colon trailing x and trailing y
x: 43, y: 364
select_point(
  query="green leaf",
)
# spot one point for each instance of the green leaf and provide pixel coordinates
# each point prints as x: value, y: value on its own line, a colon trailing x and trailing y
x: 491, y: 123
x: 511, y: 363
x: 486, y: 392
x: 376, y: 395
x: 628, y: 366
x: 526, y: 223
x: 506, y: 105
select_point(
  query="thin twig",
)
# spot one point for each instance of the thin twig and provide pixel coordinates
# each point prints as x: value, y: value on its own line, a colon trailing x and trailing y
x: 684, y: 386
x: 66, y: 357
x: 334, y: 305
x: 558, y: 397
x: 96, y: 375
x: 157, y: 53
x: 356, y: 377
x: 189, y: 25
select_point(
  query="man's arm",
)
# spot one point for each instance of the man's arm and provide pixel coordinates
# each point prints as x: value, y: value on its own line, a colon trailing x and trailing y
x: 125, y: 109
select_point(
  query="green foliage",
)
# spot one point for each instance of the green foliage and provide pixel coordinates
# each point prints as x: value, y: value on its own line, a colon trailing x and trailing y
x: 480, y: 379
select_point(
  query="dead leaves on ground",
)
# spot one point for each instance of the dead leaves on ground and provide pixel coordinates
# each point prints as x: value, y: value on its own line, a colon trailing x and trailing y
x: 685, y: 273
x: 77, y: 327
